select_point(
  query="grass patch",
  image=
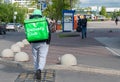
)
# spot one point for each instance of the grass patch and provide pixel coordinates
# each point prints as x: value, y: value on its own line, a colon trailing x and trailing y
x: 68, y: 35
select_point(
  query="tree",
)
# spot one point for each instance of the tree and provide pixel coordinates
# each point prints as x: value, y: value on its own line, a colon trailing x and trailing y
x: 55, y: 9
x: 73, y: 3
x: 1, y: 1
x: 115, y: 14
x: 7, y: 12
x: 21, y: 12
x: 103, y: 11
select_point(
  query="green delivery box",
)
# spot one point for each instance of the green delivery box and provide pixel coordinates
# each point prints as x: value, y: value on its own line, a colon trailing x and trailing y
x: 36, y: 29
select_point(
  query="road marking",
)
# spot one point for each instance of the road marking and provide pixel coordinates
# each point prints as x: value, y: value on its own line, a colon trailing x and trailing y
x: 115, y: 53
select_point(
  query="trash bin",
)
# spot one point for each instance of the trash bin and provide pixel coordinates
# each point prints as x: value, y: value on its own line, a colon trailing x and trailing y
x: 59, y: 26
x: 75, y: 22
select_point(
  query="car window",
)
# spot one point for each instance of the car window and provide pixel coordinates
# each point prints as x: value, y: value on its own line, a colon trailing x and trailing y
x: 10, y: 23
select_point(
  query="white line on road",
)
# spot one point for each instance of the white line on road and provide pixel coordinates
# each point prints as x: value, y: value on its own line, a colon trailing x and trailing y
x: 115, y: 53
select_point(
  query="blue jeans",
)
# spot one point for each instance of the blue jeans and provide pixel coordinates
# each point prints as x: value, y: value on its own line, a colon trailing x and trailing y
x: 39, y: 51
x: 84, y: 32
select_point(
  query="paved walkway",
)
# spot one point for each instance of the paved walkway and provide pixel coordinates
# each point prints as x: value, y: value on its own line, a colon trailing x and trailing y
x: 71, y: 42
x: 91, y: 53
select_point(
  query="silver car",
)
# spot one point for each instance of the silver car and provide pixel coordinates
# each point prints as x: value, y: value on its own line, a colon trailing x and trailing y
x: 10, y: 26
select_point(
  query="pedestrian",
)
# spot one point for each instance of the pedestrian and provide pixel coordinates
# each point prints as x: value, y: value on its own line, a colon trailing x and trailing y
x: 52, y: 25
x: 116, y: 21
x: 79, y: 24
x: 39, y: 48
x: 84, y: 27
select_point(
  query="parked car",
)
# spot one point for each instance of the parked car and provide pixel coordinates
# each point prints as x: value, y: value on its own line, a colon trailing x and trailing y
x: 11, y: 26
x: 18, y: 26
x: 2, y: 28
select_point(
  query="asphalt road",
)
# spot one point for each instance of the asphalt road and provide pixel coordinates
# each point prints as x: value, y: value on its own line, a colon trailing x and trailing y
x: 10, y: 38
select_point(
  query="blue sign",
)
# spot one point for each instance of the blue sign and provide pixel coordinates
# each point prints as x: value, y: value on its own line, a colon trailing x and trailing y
x: 44, y: 6
x: 68, y: 20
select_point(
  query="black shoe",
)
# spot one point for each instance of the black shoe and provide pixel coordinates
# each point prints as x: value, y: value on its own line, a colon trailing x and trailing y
x: 38, y: 74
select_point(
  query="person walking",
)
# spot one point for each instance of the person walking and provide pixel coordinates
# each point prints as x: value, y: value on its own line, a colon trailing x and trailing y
x: 84, y: 27
x: 52, y: 25
x: 79, y: 24
x: 39, y: 48
x: 116, y: 21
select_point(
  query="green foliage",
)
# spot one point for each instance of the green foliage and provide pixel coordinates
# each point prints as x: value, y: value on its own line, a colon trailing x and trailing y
x: 54, y: 10
x: 103, y: 11
x: 115, y: 14
x: 21, y: 13
x: 7, y: 13
x: 68, y: 35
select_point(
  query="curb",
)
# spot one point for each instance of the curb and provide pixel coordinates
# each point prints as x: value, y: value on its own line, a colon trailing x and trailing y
x: 78, y: 68
x: 85, y: 68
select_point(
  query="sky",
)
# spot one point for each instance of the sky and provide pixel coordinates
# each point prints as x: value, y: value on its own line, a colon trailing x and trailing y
x: 107, y: 3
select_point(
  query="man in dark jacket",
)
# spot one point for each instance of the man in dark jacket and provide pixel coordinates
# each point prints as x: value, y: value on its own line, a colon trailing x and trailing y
x: 79, y: 24
x: 84, y: 27
x: 39, y: 48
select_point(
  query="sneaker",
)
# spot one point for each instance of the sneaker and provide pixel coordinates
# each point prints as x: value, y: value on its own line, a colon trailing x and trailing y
x: 38, y: 74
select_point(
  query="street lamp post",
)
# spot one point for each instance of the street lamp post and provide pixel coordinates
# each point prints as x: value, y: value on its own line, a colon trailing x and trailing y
x: 71, y: 4
x: 14, y: 17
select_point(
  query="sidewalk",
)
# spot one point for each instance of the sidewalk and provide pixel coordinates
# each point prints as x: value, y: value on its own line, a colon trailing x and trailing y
x: 71, y: 43
x: 92, y: 55
x: 89, y: 52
